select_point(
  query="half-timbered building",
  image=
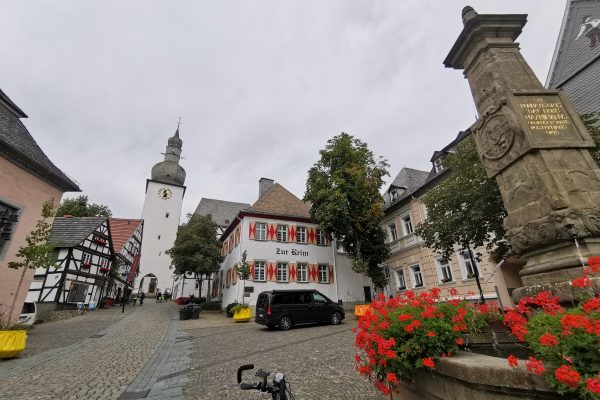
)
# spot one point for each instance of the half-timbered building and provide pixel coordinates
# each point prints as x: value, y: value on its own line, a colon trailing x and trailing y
x: 126, y: 235
x: 84, y: 259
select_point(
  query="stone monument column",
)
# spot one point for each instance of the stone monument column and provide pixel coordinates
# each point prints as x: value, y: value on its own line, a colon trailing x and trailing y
x: 534, y: 144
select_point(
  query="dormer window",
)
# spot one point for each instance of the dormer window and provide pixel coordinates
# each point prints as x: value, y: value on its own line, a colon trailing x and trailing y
x: 438, y: 164
x: 394, y: 194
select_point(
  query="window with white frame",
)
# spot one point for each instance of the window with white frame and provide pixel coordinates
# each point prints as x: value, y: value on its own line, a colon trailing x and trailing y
x: 103, y: 263
x: 86, y: 259
x: 400, y: 280
x: 417, y: 276
x: 282, y: 272
x: 407, y: 225
x: 261, y: 231
x: 259, y: 271
x: 321, y: 238
x: 323, y: 273
x: 439, y: 165
x: 467, y: 267
x: 302, y: 272
x: 282, y: 233
x: 301, y: 234
x: 444, y: 269
x: 392, y: 233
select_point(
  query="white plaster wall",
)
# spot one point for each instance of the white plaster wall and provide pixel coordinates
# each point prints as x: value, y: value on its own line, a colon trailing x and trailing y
x: 153, y: 258
x: 347, y: 285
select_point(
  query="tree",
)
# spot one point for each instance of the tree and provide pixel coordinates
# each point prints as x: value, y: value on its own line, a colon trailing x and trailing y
x: 196, y: 249
x: 79, y: 207
x: 244, y: 273
x: 343, y: 187
x: 466, y: 208
x: 37, y: 251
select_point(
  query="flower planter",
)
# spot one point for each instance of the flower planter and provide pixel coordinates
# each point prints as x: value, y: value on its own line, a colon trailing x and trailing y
x: 12, y: 343
x: 104, y: 270
x: 242, y: 315
x: 86, y: 266
x: 361, y: 309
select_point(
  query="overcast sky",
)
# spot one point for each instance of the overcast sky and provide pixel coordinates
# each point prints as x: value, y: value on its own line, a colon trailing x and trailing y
x: 260, y: 85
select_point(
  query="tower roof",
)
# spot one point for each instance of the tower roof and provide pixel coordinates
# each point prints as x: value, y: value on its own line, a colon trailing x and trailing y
x: 169, y: 171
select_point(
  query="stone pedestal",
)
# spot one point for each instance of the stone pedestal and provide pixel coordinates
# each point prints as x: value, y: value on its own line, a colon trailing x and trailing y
x: 534, y: 144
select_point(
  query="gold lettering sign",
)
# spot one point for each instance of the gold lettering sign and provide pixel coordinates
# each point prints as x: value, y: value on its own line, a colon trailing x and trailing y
x: 546, y: 116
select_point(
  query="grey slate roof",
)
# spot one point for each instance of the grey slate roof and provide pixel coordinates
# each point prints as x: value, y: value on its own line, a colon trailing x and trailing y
x: 576, y: 63
x: 18, y: 146
x: 409, y: 179
x: 69, y: 232
x: 222, y: 212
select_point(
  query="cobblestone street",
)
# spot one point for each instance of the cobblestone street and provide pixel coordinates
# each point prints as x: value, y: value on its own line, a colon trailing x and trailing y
x: 147, y: 353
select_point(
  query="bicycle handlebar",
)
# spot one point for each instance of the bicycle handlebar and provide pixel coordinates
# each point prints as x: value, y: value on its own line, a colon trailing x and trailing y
x: 242, y: 369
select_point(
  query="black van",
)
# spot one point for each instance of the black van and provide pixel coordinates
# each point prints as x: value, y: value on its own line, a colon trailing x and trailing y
x: 284, y: 308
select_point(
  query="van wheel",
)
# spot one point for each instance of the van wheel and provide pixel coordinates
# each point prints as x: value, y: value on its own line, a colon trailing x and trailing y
x: 336, y: 318
x: 285, y: 323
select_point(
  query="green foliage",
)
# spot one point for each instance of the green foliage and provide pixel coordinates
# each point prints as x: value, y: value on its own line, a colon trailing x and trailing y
x: 236, y: 308
x: 244, y: 269
x: 79, y: 207
x: 466, y: 208
x: 592, y: 123
x: 343, y: 187
x: 229, y: 309
x: 196, y: 248
x: 37, y: 252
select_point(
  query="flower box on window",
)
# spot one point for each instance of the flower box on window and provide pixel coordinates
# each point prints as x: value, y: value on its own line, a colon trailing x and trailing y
x: 470, y: 276
x: 446, y: 280
x: 100, y: 241
x: 104, y: 270
x: 86, y: 265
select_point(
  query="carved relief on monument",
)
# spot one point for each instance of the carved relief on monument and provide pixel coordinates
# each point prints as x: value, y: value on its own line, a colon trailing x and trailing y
x: 556, y: 227
x: 499, y: 138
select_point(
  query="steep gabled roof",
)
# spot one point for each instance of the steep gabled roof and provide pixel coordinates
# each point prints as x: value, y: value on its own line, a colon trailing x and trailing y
x: 18, y: 146
x: 222, y: 212
x: 409, y: 179
x: 278, y: 200
x: 121, y: 231
x: 69, y: 232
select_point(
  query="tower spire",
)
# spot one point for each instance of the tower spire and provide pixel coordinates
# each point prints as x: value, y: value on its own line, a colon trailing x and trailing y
x: 169, y: 170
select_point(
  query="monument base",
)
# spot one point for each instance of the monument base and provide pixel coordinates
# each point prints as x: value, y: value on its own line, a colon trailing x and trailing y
x: 554, y: 267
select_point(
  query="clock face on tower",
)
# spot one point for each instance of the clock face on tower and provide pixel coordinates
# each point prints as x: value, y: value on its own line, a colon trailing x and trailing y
x: 164, y: 193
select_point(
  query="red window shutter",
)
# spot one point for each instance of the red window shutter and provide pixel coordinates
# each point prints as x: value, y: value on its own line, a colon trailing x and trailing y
x: 312, y: 273
x: 311, y: 235
x: 231, y: 243
x: 252, y: 230
x: 227, y: 279
x: 292, y: 273
x: 251, y: 265
x: 292, y: 233
x: 331, y: 274
x: 271, y: 231
x: 271, y: 271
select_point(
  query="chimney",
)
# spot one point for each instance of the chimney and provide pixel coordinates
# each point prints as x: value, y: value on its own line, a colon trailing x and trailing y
x: 264, y: 184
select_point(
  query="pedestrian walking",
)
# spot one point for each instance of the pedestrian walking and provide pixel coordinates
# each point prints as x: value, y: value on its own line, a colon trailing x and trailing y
x: 158, y: 296
x: 142, y: 296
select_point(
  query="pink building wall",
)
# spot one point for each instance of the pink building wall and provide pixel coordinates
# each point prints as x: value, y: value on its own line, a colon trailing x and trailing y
x: 27, y: 192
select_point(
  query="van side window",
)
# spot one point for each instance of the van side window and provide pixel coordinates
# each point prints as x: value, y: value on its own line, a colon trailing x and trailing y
x: 301, y: 298
x: 282, y: 298
x: 319, y: 298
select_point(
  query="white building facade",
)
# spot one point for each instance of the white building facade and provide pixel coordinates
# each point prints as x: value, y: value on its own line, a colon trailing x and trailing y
x: 161, y: 214
x: 284, y: 250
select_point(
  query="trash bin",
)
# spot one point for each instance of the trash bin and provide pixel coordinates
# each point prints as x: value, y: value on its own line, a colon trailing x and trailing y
x: 195, y: 311
x: 185, y: 313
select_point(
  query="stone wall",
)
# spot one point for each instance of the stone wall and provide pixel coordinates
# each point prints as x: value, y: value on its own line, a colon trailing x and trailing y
x: 476, y: 377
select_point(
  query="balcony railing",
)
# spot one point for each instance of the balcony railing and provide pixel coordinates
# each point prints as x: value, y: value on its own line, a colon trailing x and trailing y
x: 402, y: 243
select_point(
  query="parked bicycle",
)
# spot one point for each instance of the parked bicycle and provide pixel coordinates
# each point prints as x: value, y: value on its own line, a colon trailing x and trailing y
x: 279, y: 389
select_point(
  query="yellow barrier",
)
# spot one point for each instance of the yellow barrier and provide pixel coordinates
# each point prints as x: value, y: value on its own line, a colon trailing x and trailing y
x: 12, y: 343
x: 243, y: 315
x: 361, y: 309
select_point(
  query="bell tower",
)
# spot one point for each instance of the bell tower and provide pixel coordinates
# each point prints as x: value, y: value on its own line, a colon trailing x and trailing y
x: 161, y: 213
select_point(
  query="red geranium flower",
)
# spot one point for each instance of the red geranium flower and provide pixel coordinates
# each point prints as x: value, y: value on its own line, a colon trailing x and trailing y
x: 431, y: 334
x: 535, y: 366
x: 548, y: 339
x: 392, y: 378
x: 593, y: 384
x: 581, y: 282
x: 513, y: 361
x: 460, y: 341
x: 594, y: 263
x: 567, y: 375
x: 428, y: 362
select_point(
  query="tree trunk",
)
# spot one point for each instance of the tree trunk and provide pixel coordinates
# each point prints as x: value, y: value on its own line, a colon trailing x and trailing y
x: 14, y: 302
x: 209, y: 294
